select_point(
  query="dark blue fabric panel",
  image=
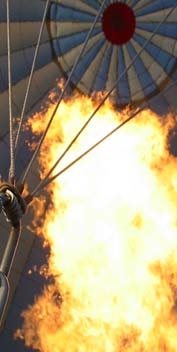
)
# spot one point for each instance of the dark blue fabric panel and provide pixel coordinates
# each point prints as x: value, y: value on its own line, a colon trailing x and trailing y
x: 92, y: 3
x: 166, y: 29
x: 145, y: 79
x: 159, y: 105
x: 164, y: 59
x: 86, y: 61
x: 23, y: 10
x: 66, y: 13
x: 133, y: 3
x: 155, y: 6
x: 5, y: 157
x: 22, y: 62
x: 123, y: 87
x: 8, y: 344
x: 3, y: 76
x: 101, y: 78
x: 64, y: 44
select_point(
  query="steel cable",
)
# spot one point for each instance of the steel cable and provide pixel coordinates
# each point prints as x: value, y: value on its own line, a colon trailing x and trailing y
x: 11, y: 129
x: 105, y: 98
x: 31, y: 74
x: 62, y: 94
x: 46, y: 182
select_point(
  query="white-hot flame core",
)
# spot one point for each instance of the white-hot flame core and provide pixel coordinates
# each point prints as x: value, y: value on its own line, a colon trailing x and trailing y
x: 113, y: 239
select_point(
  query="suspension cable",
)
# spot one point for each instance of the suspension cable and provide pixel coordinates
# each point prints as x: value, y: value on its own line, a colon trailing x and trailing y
x: 46, y: 182
x: 31, y: 74
x: 62, y: 93
x: 11, y: 137
x: 105, y: 98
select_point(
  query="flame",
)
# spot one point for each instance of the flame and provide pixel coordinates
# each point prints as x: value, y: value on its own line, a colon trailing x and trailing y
x: 112, y: 235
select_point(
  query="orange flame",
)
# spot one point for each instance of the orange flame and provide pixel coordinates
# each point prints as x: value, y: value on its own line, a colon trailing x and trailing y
x: 112, y: 234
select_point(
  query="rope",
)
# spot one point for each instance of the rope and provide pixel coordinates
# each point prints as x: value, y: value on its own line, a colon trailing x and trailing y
x: 105, y: 98
x: 31, y: 74
x: 46, y: 182
x: 62, y: 94
x: 12, y: 157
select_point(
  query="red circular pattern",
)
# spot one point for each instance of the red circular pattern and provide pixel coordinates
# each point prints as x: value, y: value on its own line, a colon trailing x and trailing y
x: 118, y: 23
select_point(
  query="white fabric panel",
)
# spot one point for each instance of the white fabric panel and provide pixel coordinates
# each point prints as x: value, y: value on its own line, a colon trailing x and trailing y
x: 155, y: 70
x: 140, y: 4
x: 90, y: 74
x: 136, y: 91
x: 129, y: 2
x: 69, y: 28
x: 101, y: 1
x: 158, y: 16
x: 69, y: 58
x: 166, y: 44
x: 23, y: 35
x: 113, y: 69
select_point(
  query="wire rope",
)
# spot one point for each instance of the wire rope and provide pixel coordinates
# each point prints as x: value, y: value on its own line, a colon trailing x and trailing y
x: 62, y: 93
x: 31, y: 74
x: 46, y: 182
x: 11, y: 137
x: 106, y: 96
